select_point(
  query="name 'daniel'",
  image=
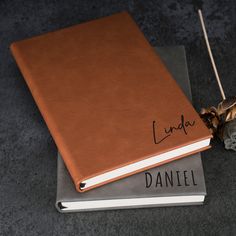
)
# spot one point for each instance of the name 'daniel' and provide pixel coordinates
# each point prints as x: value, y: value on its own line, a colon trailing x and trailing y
x: 170, y: 179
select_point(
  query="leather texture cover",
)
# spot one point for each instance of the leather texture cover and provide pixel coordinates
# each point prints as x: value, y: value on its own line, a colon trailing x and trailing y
x: 144, y: 184
x: 99, y: 86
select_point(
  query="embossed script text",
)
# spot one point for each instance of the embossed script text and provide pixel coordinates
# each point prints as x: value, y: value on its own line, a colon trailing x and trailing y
x: 183, y: 126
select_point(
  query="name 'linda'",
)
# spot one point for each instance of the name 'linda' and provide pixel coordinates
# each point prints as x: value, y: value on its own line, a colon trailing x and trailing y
x: 181, y: 126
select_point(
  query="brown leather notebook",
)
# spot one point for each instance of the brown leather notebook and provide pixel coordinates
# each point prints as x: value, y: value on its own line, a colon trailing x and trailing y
x: 109, y: 102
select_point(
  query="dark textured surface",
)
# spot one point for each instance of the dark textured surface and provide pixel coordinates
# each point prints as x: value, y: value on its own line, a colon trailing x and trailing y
x: 28, y: 153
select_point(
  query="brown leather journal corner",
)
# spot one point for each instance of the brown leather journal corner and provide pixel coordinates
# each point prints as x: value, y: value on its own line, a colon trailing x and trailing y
x: 109, y: 102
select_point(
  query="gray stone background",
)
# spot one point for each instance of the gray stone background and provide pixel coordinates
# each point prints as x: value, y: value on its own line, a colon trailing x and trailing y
x: 28, y: 153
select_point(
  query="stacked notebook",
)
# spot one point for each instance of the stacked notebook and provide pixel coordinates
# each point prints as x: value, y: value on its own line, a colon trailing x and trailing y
x: 177, y: 183
x: 114, y: 110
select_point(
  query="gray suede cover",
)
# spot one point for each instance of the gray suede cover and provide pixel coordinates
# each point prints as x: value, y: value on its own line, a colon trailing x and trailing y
x: 179, y: 178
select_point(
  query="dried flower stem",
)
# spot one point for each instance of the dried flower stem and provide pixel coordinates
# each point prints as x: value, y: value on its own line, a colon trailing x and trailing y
x: 210, y: 54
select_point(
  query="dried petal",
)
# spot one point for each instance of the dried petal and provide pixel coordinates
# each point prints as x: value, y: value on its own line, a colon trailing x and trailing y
x: 226, y: 104
x: 211, y: 118
x: 231, y: 114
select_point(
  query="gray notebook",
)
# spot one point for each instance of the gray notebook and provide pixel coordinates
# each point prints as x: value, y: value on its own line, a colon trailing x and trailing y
x: 177, y: 183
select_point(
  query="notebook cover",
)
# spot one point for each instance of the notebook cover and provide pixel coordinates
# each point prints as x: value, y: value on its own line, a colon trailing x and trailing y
x: 99, y: 86
x: 140, y: 185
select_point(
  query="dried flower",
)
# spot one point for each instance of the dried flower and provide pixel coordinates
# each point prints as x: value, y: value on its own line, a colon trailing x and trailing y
x: 229, y: 135
x: 221, y: 121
